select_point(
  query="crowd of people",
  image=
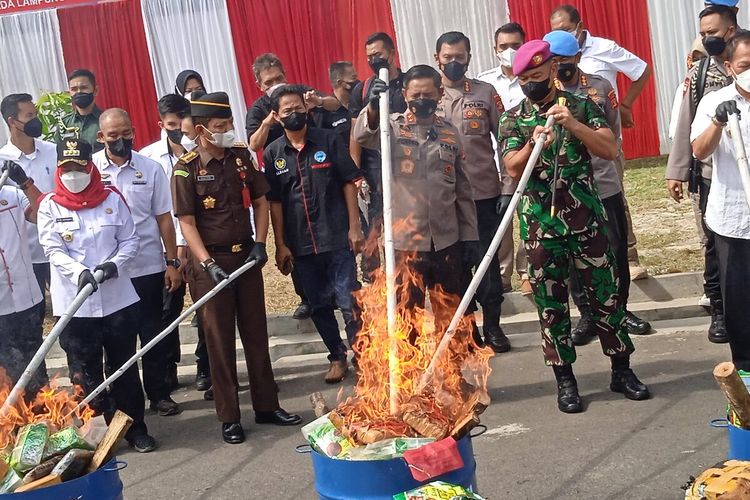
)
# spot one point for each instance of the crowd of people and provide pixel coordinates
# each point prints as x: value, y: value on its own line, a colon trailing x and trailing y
x: 195, y: 206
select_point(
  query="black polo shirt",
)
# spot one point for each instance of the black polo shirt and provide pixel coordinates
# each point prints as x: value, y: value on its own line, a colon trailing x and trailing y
x: 396, y: 96
x: 340, y: 121
x: 309, y: 185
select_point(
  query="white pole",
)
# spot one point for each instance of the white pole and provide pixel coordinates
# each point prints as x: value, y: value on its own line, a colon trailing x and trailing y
x: 138, y: 355
x: 390, y: 254
x: 486, y: 260
x: 4, y: 177
x: 739, y: 148
x: 41, y: 353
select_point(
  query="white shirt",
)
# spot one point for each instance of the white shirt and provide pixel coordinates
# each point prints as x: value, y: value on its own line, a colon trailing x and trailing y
x: 146, y: 189
x: 76, y: 240
x: 605, y: 58
x: 40, y: 166
x: 161, y: 153
x: 727, y: 211
x: 508, y: 89
x: 19, y: 289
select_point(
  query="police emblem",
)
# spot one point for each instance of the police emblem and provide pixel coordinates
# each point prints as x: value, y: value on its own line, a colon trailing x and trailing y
x: 67, y: 237
x: 108, y: 211
x: 320, y: 156
x: 209, y: 202
x: 280, y: 164
x: 407, y: 166
x: 138, y: 174
x: 592, y: 91
x: 3, y: 202
x: 238, y: 161
x: 474, y: 125
x: 202, y: 171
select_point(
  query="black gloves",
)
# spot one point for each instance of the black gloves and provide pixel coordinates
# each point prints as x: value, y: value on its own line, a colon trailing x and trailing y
x: 212, y: 268
x: 503, y: 203
x: 377, y: 87
x: 17, y: 173
x: 87, y: 278
x: 109, y: 269
x: 469, y: 253
x: 725, y: 109
x: 258, y: 254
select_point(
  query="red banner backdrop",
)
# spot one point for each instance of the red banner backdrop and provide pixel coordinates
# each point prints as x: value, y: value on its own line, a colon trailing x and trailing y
x: 109, y: 39
x: 16, y: 6
x: 626, y: 22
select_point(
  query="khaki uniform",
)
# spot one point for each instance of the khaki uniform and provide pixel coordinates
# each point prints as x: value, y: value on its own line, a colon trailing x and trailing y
x: 218, y: 193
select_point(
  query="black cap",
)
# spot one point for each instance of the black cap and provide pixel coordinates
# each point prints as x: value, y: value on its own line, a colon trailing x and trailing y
x: 214, y: 105
x: 73, y: 150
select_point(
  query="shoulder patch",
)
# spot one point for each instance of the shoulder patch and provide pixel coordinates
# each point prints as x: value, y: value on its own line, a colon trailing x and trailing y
x: 181, y: 173
x: 188, y: 157
x: 613, y: 99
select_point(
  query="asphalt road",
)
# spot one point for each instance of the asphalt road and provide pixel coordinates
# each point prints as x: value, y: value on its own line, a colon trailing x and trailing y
x: 616, y: 449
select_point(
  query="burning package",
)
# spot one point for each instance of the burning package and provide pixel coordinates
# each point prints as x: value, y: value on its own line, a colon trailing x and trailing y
x: 29, y: 449
x: 438, y: 490
x: 387, y: 449
x: 326, y: 438
x: 63, y: 441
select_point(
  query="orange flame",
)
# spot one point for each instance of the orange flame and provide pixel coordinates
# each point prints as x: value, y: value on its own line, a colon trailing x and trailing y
x: 52, y: 404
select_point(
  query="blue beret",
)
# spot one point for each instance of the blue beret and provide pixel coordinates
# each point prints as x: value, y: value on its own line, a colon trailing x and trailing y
x: 727, y: 3
x: 562, y: 43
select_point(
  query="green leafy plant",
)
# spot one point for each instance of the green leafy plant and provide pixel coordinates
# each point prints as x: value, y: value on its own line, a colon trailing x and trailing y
x: 52, y: 108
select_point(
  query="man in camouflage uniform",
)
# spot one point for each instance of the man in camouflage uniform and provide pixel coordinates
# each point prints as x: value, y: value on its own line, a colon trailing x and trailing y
x: 562, y: 218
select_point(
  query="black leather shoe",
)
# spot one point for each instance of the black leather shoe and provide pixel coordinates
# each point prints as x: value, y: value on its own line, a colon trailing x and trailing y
x: 303, y: 311
x: 202, y: 380
x: 568, y: 400
x: 232, y: 433
x: 165, y: 407
x: 625, y: 382
x: 496, y: 339
x: 717, y: 332
x: 636, y: 325
x: 209, y: 394
x: 585, y: 330
x: 278, y: 417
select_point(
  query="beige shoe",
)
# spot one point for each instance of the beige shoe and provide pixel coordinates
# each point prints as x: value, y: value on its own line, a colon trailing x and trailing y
x: 336, y: 372
x: 526, y: 288
x: 638, y: 272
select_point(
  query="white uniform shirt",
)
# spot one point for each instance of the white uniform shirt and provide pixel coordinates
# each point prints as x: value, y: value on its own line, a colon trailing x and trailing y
x: 161, y: 153
x: 19, y: 289
x: 76, y: 240
x: 605, y: 58
x: 727, y: 212
x: 40, y: 166
x: 146, y: 189
x: 508, y: 89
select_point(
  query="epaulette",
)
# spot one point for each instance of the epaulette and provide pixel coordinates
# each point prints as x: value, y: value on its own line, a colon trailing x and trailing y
x: 188, y: 157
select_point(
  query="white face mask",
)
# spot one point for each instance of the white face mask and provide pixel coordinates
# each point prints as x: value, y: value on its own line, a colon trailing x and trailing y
x: 506, y: 57
x: 187, y: 143
x: 75, y: 182
x: 271, y: 89
x: 742, y: 80
x: 225, y: 140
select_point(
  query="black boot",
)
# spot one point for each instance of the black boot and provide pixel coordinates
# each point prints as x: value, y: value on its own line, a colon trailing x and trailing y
x: 493, y: 334
x: 568, y: 400
x: 717, y: 332
x: 585, y: 330
x: 625, y: 382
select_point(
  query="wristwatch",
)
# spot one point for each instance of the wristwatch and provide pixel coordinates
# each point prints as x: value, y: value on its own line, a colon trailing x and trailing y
x: 174, y: 263
x: 718, y: 123
x: 207, y: 263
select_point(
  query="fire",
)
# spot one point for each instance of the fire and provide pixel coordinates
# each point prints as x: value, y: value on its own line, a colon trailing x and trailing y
x: 460, y: 378
x: 52, y: 404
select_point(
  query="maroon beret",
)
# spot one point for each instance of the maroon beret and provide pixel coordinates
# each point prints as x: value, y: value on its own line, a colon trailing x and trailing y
x: 530, y: 55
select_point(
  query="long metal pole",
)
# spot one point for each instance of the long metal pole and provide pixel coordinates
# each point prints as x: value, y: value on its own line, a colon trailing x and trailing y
x: 486, y: 260
x: 739, y: 148
x: 390, y: 253
x: 138, y: 355
x: 4, y: 177
x: 41, y: 353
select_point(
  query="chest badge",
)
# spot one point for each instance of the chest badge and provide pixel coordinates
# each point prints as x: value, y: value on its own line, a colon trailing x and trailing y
x: 407, y: 166
x: 3, y: 202
x: 108, y: 211
x: 320, y: 156
x: 592, y: 91
x: 280, y: 164
x: 209, y: 202
x: 238, y: 161
x: 202, y: 171
x: 67, y: 237
x: 138, y: 174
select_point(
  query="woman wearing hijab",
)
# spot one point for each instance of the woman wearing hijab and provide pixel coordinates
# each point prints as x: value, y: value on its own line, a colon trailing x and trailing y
x: 188, y: 81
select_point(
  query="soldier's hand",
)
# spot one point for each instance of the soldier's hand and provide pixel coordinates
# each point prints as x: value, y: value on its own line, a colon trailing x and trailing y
x: 284, y: 259
x: 258, y: 254
x: 562, y: 116
x: 172, y: 279
x: 626, y: 117
x: 17, y: 173
x: 469, y: 253
x: 109, y: 269
x: 503, y: 203
x: 539, y: 130
x: 675, y: 189
x: 377, y: 87
x: 216, y: 273
x: 87, y: 278
x: 725, y: 109
x: 356, y: 239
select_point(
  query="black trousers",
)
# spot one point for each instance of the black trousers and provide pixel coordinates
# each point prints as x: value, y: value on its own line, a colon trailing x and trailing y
x: 20, y: 337
x: 711, y: 273
x: 149, y: 324
x: 172, y: 305
x: 85, y: 340
x: 617, y: 235
x: 734, y: 271
x: 298, y: 288
x: 490, y: 291
x: 41, y: 272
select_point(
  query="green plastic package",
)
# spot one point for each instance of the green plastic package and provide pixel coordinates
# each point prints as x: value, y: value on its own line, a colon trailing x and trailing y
x: 326, y: 438
x: 438, y: 490
x: 10, y: 482
x: 63, y: 441
x: 388, y: 449
x: 29, y: 449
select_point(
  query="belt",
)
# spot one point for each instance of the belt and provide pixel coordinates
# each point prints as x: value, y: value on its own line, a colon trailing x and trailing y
x: 236, y: 248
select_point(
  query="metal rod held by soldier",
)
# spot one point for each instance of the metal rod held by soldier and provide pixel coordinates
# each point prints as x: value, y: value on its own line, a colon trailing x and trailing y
x: 561, y: 101
x: 486, y: 260
x: 739, y: 148
x: 174, y: 324
x: 4, y: 177
x: 390, y: 253
x: 41, y: 353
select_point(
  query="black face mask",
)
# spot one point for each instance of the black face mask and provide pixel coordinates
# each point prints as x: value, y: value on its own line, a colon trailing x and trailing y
x: 566, y: 72
x: 349, y: 86
x: 378, y: 63
x: 454, y: 70
x: 536, y: 91
x: 714, y: 45
x: 120, y: 148
x: 295, y: 121
x: 83, y: 99
x: 423, y: 108
x: 33, y: 127
x: 175, y: 135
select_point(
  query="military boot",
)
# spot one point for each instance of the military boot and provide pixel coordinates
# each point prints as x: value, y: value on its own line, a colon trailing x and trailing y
x: 585, y: 330
x: 568, y: 400
x: 493, y: 334
x: 625, y: 382
x: 717, y: 331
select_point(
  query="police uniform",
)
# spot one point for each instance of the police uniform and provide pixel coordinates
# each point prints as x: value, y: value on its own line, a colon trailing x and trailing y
x: 78, y: 238
x: 431, y: 190
x: 474, y: 109
x: 309, y: 186
x: 21, y: 301
x: 218, y: 192
x: 146, y: 190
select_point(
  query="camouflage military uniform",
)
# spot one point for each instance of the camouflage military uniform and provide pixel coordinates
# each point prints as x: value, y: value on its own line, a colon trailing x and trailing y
x: 576, y: 232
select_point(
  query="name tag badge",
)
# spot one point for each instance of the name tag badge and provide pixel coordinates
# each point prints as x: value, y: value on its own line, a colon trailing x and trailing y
x: 206, y: 178
x: 106, y: 183
x: 64, y: 219
x: 139, y: 183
